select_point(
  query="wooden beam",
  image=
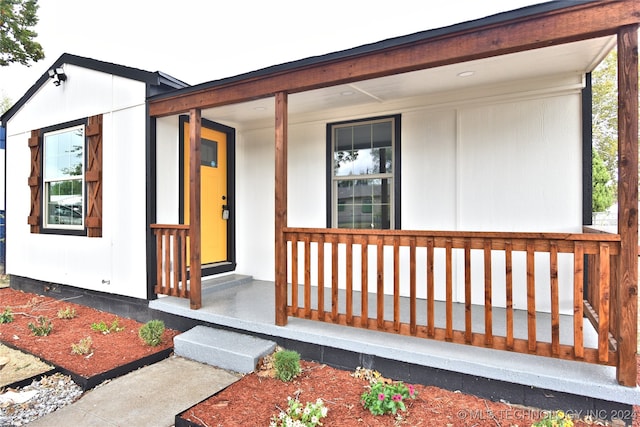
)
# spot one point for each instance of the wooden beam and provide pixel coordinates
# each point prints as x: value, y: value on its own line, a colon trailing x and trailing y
x: 195, y: 265
x: 281, y: 208
x: 627, y: 293
x: 565, y: 25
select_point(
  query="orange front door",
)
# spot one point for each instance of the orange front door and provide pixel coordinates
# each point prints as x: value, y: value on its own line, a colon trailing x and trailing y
x: 213, y: 187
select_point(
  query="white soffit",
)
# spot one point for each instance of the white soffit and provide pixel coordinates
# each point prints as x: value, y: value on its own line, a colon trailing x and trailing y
x: 566, y: 59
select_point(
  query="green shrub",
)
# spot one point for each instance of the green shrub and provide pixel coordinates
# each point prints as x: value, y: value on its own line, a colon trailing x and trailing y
x: 42, y: 327
x: 287, y: 364
x: 106, y: 329
x: 6, y: 316
x: 151, y: 332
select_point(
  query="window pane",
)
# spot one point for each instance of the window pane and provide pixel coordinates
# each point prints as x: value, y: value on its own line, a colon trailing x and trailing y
x: 365, y: 204
x: 64, y: 202
x: 343, y: 154
x: 63, y: 154
x: 363, y: 149
x: 209, y: 153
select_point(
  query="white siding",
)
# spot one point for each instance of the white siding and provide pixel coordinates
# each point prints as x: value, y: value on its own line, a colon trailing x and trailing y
x: 115, y: 262
x: 255, y: 191
x: 167, y: 176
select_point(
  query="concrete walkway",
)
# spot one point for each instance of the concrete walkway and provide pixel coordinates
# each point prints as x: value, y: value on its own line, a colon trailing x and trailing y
x: 151, y: 396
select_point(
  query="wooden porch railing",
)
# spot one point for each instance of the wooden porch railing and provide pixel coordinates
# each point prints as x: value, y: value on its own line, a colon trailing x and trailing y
x: 317, y: 250
x: 171, y: 256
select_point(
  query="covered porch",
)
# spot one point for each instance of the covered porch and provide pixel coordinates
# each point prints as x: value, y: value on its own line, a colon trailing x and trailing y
x: 398, y: 285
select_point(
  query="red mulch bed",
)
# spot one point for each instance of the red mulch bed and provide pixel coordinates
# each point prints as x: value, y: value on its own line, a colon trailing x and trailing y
x: 109, y: 351
x: 254, y: 399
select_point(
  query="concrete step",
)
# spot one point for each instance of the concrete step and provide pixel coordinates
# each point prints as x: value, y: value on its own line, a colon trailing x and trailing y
x: 217, y: 283
x: 224, y: 349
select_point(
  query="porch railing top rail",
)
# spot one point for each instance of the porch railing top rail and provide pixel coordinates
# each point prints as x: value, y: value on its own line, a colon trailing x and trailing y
x: 564, y: 242
x: 590, y: 234
x: 170, y: 226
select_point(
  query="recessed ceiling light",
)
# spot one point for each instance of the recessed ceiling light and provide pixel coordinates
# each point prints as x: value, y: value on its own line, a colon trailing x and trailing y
x: 346, y: 93
x: 466, y: 74
x: 260, y: 108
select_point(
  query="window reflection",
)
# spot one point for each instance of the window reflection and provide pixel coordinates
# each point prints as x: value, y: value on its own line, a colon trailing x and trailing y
x: 363, y: 174
x: 63, y: 177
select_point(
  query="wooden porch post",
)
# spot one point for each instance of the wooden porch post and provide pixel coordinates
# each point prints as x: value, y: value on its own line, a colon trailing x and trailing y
x: 627, y: 295
x: 195, y: 271
x: 281, y: 208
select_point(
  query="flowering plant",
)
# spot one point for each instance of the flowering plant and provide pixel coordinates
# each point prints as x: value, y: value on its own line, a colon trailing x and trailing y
x: 555, y: 419
x: 298, y: 416
x: 383, y: 398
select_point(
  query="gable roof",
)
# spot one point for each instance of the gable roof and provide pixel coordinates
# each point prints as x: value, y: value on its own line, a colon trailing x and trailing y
x: 157, y: 82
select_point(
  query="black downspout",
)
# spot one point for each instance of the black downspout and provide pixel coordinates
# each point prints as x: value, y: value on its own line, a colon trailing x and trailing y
x: 587, y: 147
x: 587, y: 166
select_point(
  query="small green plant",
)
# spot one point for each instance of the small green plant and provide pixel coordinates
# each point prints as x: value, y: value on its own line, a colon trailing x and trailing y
x: 42, y: 327
x: 82, y: 347
x: 299, y: 416
x: 385, y: 398
x: 555, y: 419
x: 67, y: 313
x: 6, y: 316
x: 107, y: 329
x: 151, y: 332
x: 287, y: 364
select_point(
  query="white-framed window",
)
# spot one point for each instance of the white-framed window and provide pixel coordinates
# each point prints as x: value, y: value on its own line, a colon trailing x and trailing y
x: 63, y: 178
x: 364, y: 173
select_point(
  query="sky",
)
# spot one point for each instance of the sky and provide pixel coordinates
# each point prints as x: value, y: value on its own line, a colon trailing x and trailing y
x: 203, y: 40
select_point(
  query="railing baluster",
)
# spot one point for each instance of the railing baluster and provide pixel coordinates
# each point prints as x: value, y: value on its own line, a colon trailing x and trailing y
x: 449, y: 290
x: 294, y: 273
x: 468, y: 324
x: 160, y: 289
x: 334, y: 279
x: 412, y: 286
x: 321, y: 277
x: 307, y: 276
x: 509, y: 288
x: 176, y: 251
x: 578, y: 300
x: 488, y: 306
x: 349, y: 301
x: 555, y: 301
x: 603, y: 297
x: 430, y: 290
x: 396, y: 283
x: 167, y: 265
x: 531, y: 296
x: 184, y: 244
x: 380, y: 283
x: 364, y: 314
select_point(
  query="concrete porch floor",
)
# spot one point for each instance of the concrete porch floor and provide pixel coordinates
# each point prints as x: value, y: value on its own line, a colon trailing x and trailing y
x: 248, y: 306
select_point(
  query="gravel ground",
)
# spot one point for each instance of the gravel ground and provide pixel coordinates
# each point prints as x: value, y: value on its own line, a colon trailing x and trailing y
x: 50, y: 393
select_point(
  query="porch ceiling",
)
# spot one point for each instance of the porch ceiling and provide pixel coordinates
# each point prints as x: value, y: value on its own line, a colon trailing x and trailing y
x: 403, y: 90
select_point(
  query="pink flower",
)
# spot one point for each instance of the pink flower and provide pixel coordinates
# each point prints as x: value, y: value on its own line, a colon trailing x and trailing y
x: 381, y: 396
x: 411, y: 390
x: 397, y: 398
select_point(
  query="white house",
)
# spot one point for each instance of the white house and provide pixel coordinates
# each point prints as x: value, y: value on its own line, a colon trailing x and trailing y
x: 450, y: 165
